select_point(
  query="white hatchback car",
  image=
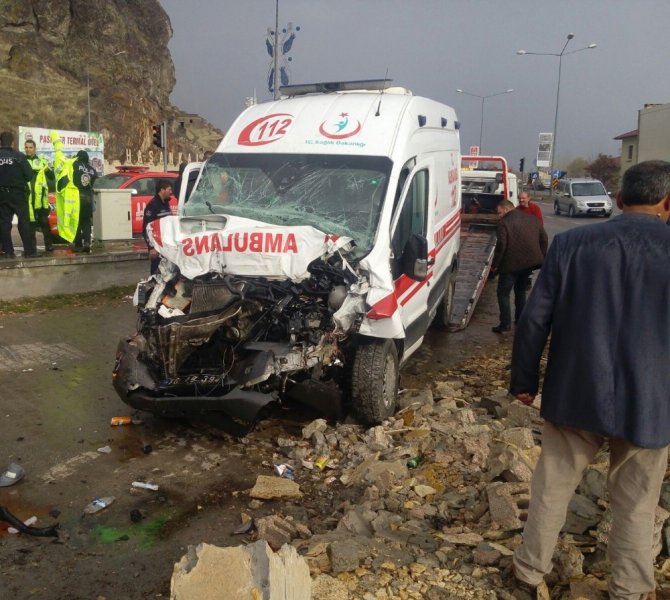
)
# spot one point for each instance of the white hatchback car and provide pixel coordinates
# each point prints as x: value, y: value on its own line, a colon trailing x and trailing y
x: 582, y: 197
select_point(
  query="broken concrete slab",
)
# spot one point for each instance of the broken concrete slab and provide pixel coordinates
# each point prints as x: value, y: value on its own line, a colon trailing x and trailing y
x: 268, y: 487
x: 582, y: 514
x: 508, y: 504
x: 509, y: 462
x: 521, y: 437
x: 252, y: 571
x: 276, y: 530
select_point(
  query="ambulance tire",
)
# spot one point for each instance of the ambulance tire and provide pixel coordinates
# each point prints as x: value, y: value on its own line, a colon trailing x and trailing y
x: 446, y: 306
x: 374, y: 380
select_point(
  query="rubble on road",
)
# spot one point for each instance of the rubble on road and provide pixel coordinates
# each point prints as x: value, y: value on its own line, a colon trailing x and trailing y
x: 371, y: 527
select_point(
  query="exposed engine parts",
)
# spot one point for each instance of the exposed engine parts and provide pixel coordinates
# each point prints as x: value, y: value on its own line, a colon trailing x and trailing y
x: 220, y: 332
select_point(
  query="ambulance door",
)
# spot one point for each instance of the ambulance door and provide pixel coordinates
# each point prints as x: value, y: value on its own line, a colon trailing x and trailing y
x: 412, y: 246
x: 189, y: 175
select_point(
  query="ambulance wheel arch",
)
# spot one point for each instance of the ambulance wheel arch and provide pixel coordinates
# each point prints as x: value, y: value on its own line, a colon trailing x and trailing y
x: 446, y: 305
x: 374, y: 379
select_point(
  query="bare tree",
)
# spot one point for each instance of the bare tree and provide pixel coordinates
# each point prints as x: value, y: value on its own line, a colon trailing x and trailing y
x: 605, y: 168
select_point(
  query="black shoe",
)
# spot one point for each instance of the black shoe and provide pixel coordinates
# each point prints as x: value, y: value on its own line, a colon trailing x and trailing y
x: 9, y: 256
x: 501, y: 328
x: 86, y: 249
x: 30, y: 255
x: 49, y: 250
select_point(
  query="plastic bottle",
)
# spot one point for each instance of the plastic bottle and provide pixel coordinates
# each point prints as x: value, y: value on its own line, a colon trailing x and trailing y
x: 145, y: 486
x: 121, y: 421
x: 415, y: 461
x: 98, y: 504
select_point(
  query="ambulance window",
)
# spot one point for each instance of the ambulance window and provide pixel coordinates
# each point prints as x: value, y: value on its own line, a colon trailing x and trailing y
x: 412, y: 218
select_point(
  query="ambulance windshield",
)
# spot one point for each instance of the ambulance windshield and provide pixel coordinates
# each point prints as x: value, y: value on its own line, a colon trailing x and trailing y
x: 335, y: 194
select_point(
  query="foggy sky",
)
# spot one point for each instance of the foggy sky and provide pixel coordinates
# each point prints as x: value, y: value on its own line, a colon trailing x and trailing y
x: 435, y: 46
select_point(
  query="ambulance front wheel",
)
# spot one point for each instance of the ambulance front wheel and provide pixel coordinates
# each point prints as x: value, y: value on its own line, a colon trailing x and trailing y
x: 374, y: 380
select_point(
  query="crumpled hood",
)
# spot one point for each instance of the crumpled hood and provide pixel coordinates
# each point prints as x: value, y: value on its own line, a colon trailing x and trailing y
x: 241, y: 247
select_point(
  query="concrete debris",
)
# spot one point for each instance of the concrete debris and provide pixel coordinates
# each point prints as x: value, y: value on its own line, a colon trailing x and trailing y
x: 319, y: 425
x: 509, y: 463
x: 508, y: 504
x: 325, y: 587
x: 276, y: 530
x: 252, y: 571
x: 368, y: 527
x: 582, y: 515
x: 267, y: 488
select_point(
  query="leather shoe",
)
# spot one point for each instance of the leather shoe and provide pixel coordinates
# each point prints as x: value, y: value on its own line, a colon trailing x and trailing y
x: 501, y: 328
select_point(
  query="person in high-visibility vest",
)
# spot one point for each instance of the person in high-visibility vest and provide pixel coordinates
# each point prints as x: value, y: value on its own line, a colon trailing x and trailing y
x: 67, y: 194
x: 38, y: 196
x: 74, y: 195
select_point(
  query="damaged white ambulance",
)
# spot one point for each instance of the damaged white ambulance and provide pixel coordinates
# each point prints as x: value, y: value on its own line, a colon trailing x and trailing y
x: 318, y: 244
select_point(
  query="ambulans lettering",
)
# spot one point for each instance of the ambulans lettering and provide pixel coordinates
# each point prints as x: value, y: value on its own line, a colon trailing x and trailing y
x: 266, y: 242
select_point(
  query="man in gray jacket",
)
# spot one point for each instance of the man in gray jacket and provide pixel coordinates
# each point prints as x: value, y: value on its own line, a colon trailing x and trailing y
x: 603, y: 295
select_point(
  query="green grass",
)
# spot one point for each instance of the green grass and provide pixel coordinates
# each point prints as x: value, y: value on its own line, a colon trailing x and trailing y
x: 57, y: 301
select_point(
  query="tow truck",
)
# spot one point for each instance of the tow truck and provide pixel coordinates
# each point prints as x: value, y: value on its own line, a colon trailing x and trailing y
x: 485, y: 182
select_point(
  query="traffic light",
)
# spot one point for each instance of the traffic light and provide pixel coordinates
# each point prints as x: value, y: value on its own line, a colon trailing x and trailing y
x: 157, y: 135
x: 521, y: 164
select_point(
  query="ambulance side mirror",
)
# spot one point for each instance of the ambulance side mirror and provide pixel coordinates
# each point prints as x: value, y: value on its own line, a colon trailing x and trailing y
x: 414, y: 260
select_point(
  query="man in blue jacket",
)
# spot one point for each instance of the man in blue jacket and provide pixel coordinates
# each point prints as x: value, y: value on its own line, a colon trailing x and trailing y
x: 603, y: 294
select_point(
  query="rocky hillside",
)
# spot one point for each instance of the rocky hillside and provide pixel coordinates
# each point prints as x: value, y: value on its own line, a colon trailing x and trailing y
x: 51, y: 49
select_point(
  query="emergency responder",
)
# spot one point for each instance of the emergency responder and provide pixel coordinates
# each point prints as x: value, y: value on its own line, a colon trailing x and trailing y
x: 84, y: 178
x: 38, y: 197
x: 68, y: 194
x: 157, y: 208
x: 15, y: 175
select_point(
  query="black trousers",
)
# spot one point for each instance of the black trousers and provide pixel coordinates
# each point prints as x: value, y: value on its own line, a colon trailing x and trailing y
x: 41, y: 223
x: 83, y: 237
x: 507, y: 282
x: 15, y: 202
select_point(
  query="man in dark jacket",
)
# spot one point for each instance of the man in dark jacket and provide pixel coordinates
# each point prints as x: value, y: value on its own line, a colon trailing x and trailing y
x: 521, y: 246
x: 157, y: 208
x: 15, y: 175
x: 603, y: 295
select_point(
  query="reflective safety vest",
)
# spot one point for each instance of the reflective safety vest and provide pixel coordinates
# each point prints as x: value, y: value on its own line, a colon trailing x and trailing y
x: 67, y: 194
x: 38, y: 195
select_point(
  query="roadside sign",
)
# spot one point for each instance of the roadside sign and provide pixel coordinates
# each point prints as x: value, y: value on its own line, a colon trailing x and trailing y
x: 544, y: 149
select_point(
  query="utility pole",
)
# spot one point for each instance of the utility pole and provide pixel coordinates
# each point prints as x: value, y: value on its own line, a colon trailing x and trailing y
x: 88, y: 98
x: 275, y: 83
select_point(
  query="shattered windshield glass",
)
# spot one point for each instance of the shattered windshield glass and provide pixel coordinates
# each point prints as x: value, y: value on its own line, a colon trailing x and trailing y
x: 335, y: 194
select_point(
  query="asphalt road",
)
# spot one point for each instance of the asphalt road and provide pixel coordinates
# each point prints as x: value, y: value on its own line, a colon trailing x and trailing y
x: 56, y: 402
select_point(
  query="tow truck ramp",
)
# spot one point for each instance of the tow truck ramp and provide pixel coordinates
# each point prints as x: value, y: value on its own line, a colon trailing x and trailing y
x: 478, y: 243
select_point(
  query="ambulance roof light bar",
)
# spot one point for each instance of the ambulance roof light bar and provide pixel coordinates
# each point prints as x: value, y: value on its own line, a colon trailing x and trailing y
x: 335, y: 86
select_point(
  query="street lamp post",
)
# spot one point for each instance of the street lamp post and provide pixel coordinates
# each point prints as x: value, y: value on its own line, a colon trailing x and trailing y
x: 560, y: 55
x: 483, y: 99
x: 275, y: 82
